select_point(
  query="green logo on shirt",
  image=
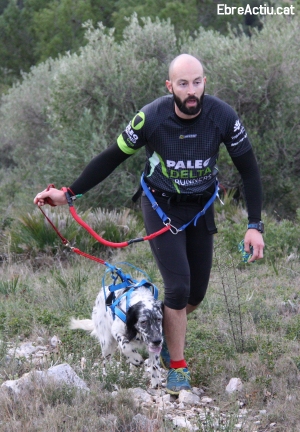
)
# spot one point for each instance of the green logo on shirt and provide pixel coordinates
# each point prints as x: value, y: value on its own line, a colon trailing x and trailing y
x: 138, y: 121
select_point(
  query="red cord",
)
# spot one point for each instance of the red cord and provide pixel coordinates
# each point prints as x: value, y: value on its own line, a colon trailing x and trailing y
x: 91, y: 231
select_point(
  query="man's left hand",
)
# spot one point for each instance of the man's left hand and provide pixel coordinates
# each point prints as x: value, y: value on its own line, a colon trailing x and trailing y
x: 255, y: 239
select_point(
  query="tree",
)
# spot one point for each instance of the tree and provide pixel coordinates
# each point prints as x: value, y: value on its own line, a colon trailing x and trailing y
x: 33, y: 30
x: 58, y: 28
x: 3, y: 4
x: 16, y: 42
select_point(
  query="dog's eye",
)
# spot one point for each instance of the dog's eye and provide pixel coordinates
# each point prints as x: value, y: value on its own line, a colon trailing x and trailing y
x: 143, y: 323
x: 159, y: 320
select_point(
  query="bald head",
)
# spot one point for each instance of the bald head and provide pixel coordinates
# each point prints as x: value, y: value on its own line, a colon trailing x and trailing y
x: 185, y: 64
x: 187, y: 84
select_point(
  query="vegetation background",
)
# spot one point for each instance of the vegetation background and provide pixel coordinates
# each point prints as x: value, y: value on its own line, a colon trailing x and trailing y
x: 72, y: 74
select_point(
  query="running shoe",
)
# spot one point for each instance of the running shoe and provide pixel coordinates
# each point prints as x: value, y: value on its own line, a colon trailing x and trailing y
x: 178, y: 379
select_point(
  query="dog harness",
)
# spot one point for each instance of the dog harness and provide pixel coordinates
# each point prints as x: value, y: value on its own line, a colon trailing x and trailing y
x: 128, y: 284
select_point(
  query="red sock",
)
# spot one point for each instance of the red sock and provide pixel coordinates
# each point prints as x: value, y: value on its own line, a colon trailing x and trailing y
x: 178, y: 364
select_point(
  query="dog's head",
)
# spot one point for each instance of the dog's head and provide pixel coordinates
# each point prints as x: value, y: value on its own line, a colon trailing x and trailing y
x: 145, y: 318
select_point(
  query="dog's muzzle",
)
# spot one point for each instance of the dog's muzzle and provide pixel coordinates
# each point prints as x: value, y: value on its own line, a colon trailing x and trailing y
x: 155, y: 346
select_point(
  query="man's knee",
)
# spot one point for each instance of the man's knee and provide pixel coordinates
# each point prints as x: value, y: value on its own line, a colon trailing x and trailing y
x: 177, y: 298
x: 190, y: 308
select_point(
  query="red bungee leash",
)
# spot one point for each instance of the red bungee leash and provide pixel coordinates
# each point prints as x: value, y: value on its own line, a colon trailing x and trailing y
x: 91, y: 231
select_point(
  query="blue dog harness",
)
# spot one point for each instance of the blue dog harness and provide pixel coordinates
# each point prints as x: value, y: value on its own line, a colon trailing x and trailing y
x: 128, y: 284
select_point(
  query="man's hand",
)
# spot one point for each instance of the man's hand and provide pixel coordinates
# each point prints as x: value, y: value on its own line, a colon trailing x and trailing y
x: 56, y: 196
x: 255, y: 239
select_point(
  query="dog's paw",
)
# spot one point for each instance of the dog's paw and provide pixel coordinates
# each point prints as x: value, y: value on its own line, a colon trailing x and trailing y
x: 136, y: 359
x: 155, y: 383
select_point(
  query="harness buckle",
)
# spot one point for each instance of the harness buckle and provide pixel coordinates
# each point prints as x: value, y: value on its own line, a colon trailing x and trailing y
x: 173, y: 229
x: 218, y: 196
x: 67, y: 244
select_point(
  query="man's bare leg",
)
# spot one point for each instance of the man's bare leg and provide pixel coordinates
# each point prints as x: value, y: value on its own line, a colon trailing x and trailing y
x: 190, y: 308
x: 175, y: 329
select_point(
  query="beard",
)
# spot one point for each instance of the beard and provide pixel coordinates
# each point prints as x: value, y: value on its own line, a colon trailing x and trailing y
x: 181, y: 104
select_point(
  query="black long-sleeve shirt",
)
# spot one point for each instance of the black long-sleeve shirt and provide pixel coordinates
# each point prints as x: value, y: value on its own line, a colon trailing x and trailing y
x: 181, y: 154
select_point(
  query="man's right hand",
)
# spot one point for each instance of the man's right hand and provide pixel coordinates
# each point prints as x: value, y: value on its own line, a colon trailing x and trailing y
x: 56, y: 196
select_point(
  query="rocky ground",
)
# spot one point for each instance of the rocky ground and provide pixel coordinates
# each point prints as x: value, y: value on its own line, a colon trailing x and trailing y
x: 184, y: 412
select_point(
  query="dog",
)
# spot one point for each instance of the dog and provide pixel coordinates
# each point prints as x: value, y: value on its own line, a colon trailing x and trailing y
x: 143, y: 328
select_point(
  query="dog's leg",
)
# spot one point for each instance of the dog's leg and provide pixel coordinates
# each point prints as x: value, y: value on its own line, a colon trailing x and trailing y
x: 154, y: 369
x: 128, y: 351
x: 103, y: 322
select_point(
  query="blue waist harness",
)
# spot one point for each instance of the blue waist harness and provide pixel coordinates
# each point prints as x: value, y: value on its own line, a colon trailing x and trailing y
x: 165, y: 219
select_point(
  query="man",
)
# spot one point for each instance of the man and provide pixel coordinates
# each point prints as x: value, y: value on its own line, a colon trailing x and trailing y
x: 182, y: 133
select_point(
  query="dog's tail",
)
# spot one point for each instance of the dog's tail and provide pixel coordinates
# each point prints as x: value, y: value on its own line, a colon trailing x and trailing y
x: 85, y: 324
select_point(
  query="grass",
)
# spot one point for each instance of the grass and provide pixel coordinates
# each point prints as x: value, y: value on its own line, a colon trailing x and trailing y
x: 248, y: 326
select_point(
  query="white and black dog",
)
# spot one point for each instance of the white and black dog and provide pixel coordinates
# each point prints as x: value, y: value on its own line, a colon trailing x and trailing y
x: 142, y: 327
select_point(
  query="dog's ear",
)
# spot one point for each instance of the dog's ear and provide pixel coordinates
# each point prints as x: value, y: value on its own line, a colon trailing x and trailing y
x: 132, y: 317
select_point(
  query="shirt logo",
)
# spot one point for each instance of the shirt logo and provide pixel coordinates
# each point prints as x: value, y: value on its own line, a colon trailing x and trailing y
x: 131, y: 135
x: 187, y: 136
x: 138, y: 121
x: 237, y: 126
x: 190, y: 164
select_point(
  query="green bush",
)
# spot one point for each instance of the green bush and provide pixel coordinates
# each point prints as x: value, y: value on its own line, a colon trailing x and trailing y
x: 33, y: 235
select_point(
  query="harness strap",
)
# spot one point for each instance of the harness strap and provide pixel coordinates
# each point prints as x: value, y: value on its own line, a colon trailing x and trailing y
x: 165, y: 218
x: 153, y: 202
x: 203, y: 211
x: 115, y: 308
x: 128, y: 284
x: 115, y: 305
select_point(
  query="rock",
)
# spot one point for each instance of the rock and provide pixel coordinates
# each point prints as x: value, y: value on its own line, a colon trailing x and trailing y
x: 206, y: 399
x: 185, y: 411
x: 197, y: 391
x: 61, y: 374
x: 26, y: 349
x: 235, y: 384
x: 164, y: 398
x: 184, y: 423
x: 164, y: 401
x: 55, y: 341
x: 141, y: 394
x: 188, y: 398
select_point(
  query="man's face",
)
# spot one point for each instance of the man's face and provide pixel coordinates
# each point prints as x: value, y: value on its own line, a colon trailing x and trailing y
x: 187, y: 84
x: 191, y: 105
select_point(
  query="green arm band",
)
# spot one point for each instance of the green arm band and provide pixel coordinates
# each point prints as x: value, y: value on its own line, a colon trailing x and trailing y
x: 124, y: 147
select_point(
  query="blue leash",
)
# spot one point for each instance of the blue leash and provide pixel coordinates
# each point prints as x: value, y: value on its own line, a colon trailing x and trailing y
x: 166, y: 220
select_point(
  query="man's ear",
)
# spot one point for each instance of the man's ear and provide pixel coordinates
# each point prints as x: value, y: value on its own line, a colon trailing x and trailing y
x: 169, y: 86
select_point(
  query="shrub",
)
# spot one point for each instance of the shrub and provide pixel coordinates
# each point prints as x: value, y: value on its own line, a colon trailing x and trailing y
x: 32, y: 234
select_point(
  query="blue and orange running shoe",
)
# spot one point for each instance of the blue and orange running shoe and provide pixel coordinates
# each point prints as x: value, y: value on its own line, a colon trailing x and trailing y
x: 178, y: 379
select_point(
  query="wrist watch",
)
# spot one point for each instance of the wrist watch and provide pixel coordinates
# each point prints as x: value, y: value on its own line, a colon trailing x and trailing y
x: 259, y: 226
